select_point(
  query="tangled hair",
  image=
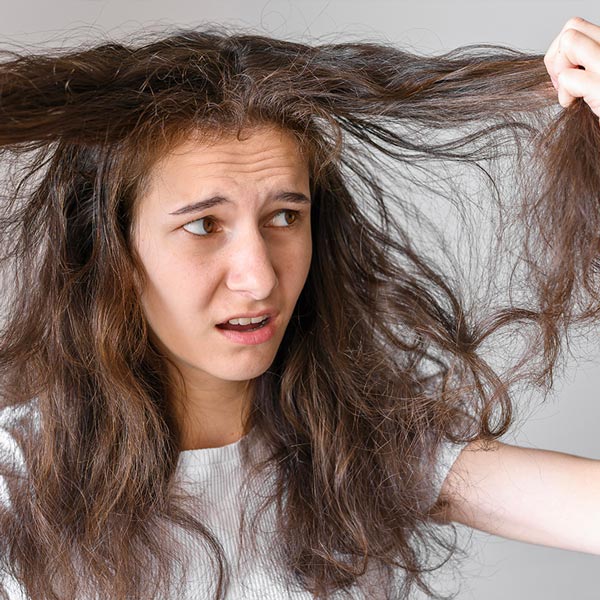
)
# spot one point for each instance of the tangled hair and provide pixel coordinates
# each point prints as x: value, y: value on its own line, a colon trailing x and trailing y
x: 384, y: 358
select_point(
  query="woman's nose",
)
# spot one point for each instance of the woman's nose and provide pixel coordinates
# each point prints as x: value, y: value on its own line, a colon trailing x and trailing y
x: 250, y: 266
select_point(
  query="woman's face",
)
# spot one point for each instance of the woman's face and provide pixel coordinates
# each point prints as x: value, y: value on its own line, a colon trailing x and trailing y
x: 244, y: 250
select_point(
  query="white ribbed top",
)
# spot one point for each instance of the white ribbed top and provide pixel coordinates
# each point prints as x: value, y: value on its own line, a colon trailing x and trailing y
x: 215, y: 477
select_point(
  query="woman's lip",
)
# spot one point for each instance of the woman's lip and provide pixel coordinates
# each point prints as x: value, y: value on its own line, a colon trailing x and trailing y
x: 258, y: 336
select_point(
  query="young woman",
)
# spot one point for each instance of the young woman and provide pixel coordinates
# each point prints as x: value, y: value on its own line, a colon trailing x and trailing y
x: 226, y: 369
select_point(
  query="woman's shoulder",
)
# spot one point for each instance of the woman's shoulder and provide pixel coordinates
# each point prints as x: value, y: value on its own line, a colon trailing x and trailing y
x: 446, y: 455
x: 15, y: 422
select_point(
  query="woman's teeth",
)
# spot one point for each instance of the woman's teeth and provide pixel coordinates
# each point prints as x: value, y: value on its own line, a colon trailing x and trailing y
x: 247, y: 321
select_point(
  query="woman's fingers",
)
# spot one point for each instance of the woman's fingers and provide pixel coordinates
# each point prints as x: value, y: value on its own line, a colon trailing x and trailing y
x: 575, y: 83
x: 553, y: 59
x: 573, y: 63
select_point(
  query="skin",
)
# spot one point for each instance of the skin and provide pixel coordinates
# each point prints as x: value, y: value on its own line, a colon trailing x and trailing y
x: 577, y: 45
x: 252, y: 253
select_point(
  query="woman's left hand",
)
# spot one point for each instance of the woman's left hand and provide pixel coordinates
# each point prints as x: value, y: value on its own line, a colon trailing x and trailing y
x: 576, y: 46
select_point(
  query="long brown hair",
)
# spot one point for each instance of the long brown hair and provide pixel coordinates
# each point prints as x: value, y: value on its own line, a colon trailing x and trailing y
x: 384, y: 357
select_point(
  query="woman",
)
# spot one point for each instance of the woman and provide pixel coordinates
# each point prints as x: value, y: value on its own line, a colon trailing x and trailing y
x: 221, y: 334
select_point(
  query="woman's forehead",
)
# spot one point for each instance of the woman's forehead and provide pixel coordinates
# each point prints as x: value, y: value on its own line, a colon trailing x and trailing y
x: 264, y: 162
x: 256, y: 137
x: 269, y: 151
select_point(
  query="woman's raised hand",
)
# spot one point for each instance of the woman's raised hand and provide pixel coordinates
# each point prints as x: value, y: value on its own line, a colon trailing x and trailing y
x: 573, y: 62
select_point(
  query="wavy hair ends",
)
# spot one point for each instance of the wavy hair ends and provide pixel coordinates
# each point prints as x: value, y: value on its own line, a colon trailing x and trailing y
x: 384, y: 358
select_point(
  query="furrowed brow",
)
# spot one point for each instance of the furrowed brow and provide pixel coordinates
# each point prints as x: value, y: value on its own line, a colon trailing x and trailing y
x: 294, y: 197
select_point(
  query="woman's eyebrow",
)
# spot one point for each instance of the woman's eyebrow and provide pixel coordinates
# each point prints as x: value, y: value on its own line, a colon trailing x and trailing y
x: 294, y: 197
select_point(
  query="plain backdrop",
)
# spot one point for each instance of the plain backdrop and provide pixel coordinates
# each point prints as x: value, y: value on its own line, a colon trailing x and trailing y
x: 497, y: 569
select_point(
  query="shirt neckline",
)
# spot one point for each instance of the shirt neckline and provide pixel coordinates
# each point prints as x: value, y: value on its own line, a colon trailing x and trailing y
x: 230, y: 453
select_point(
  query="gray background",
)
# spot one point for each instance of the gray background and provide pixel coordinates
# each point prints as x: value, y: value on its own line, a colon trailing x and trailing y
x: 567, y: 422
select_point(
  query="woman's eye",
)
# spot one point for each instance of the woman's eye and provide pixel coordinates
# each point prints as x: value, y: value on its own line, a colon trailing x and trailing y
x: 285, y: 222
x: 207, y: 225
x: 203, y: 226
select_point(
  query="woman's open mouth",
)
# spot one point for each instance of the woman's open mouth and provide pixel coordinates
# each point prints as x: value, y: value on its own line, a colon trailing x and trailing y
x: 248, y: 333
x: 247, y: 327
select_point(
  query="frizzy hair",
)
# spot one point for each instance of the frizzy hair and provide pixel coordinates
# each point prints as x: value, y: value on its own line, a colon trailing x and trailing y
x: 381, y: 361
